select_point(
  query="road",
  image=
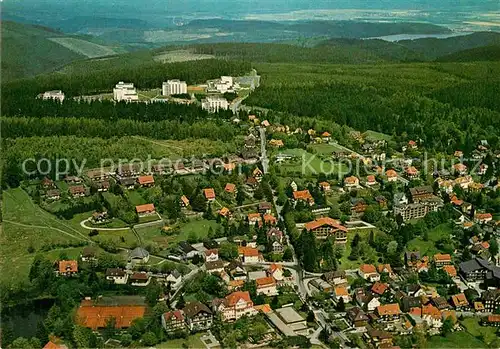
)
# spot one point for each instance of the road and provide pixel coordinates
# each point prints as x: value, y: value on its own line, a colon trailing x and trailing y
x: 263, y: 151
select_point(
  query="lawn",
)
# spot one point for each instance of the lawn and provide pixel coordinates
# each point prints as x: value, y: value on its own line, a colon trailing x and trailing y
x: 192, y: 341
x: 370, y: 257
x: 428, y: 248
x: 472, y: 326
x: 460, y: 339
x: 377, y: 136
x: 309, y: 164
x: 199, y: 227
x: 325, y: 149
x: 27, y: 225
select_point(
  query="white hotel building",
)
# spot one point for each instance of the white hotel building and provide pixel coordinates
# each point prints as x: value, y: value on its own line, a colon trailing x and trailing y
x: 214, y: 103
x: 125, y: 92
x: 174, y: 87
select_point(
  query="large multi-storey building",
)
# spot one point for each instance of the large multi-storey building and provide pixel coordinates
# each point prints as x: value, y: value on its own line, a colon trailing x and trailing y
x: 325, y: 227
x: 213, y: 104
x: 198, y: 316
x: 415, y: 210
x: 234, y: 306
x: 125, y: 92
x: 174, y: 87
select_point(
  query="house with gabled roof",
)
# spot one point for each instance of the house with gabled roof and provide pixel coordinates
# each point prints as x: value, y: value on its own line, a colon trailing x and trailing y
x: 67, y: 267
x: 173, y: 321
x: 209, y: 194
x: 145, y: 210
x: 198, y: 316
x: 368, y: 272
x: 146, y: 181
x: 234, y: 306
x: 230, y: 188
x: 388, y: 312
x: 266, y: 286
x: 325, y: 227
x: 303, y: 195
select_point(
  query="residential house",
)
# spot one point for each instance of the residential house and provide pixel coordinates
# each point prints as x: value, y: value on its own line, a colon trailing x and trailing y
x: 211, y: 255
x: 249, y: 254
x: 276, y: 271
x: 173, y: 321
x: 146, y: 181
x: 265, y: 208
x: 491, y: 320
x: 198, y: 316
x: 351, y: 182
x: 275, y: 239
x: 432, y: 316
x: 187, y: 250
x: 368, y: 272
x: 230, y: 188
x: 276, y: 143
x: 370, y: 180
x: 236, y: 270
x: 441, y: 303
x: 325, y: 227
x: 68, y: 267
x: 184, y: 201
x: 400, y: 199
x: 266, y: 286
x: 225, y: 212
x: 460, y: 302
x: 460, y: 168
x: 89, y: 254
x: 52, y: 345
x: 411, y: 172
x: 97, y: 175
x: 450, y: 270
x: 254, y: 218
x: 303, y: 195
x: 53, y: 194
x: 340, y: 292
x: 358, y: 206
x: 421, y: 194
x: 357, y: 317
x: 234, y: 306
x: 407, y: 303
x: 257, y: 174
x: 99, y: 217
x: 379, y: 288
x: 77, y: 191
x: 141, y: 279
x: 325, y: 187
x: 482, y: 218
x: 139, y: 254
x: 117, y: 276
x: 388, y: 312
x: 127, y: 182
x: 270, y: 220
x: 336, y: 278
x: 491, y: 300
x: 214, y: 267
x: 47, y: 183
x: 441, y: 260
x: 379, y: 338
x: 209, y: 194
x: 366, y: 299
x: 392, y: 176
x: 294, y: 186
x: 412, y: 144
x: 386, y: 268
x: 145, y: 210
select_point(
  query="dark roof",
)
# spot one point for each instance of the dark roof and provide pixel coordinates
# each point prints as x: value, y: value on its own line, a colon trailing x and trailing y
x: 427, y: 189
x: 89, y: 251
x: 218, y: 264
x: 330, y: 275
x: 412, y: 254
x: 411, y: 302
x: 185, y: 247
x: 127, y: 181
x: 175, y: 273
x: 477, y: 264
x: 265, y: 206
x: 357, y: 314
x: 139, y: 252
x: 139, y: 276
x: 115, y: 272
x: 491, y: 295
x: 440, y: 302
x: 194, y: 308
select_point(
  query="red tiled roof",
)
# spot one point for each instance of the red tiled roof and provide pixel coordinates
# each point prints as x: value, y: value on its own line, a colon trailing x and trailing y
x: 324, y: 221
x: 459, y: 300
x: 68, y: 266
x: 95, y: 317
x: 273, y: 267
x: 431, y: 311
x: 234, y: 297
x: 209, y: 193
x: 248, y: 251
x: 439, y: 257
x: 173, y: 315
x: 341, y: 291
x: 302, y: 195
x: 212, y: 252
x: 493, y: 318
x: 483, y: 216
x: 324, y: 184
x: 379, y: 288
x: 450, y: 270
x: 411, y: 170
x: 370, y: 179
x: 388, y: 309
x: 269, y: 218
x: 146, y: 180
x: 265, y: 282
x: 367, y: 268
x: 351, y: 180
x: 391, y: 173
x: 224, y: 211
x: 384, y: 268
x: 230, y: 188
x: 145, y: 208
x: 52, y: 345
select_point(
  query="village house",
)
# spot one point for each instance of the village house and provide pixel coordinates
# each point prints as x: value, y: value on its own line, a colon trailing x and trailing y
x: 186, y: 250
x: 99, y: 217
x: 386, y: 268
x: 270, y: 220
x: 325, y: 227
x: 265, y: 208
x: 441, y: 260
x: 303, y: 195
x: 146, y: 181
x: 248, y: 254
x: 102, y: 186
x: 97, y: 175
x: 225, y: 212
x: 336, y: 278
x: 491, y: 320
x: 450, y: 270
x: 89, y: 254
x: 276, y: 143
x: 209, y: 194
x: 139, y: 255
x: 368, y: 272
x: 421, y: 194
x: 491, y: 300
x: 254, y: 218
x: 388, y: 312
x: 230, y: 188
x: 412, y: 144
x: 127, y: 182
x: 67, y: 267
x: 459, y: 301
x: 379, y: 288
x: 392, y: 176
x: 53, y: 194
x: 276, y: 271
x: 47, y: 183
x: 357, y: 317
x: 324, y: 187
x: 482, y: 218
x: 431, y: 315
x: 211, y: 255
x: 234, y: 306
x: 351, y: 182
x: 460, y: 168
x: 275, y: 239
x: 140, y: 279
x: 198, y: 316
x: 184, y: 201
x: 411, y: 172
x: 257, y: 174
x: 145, y: 210
x: 325, y: 136
x: 174, y: 278
x: 379, y: 338
x: 340, y: 292
x: 370, y: 180
x: 266, y: 286
x: 236, y: 270
x: 366, y: 299
x: 173, y: 321
x: 358, y: 206
x: 117, y: 276
x: 77, y: 191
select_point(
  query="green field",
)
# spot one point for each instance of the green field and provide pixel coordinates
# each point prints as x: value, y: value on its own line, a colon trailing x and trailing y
x: 377, y: 136
x: 192, y: 341
x: 308, y: 164
x: 488, y: 333
x: 370, y: 257
x: 456, y: 340
x: 427, y: 247
x: 325, y: 149
x: 83, y: 47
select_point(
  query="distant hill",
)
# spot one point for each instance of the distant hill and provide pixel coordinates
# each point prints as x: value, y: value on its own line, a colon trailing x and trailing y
x: 433, y: 48
x: 29, y: 50
x: 486, y: 53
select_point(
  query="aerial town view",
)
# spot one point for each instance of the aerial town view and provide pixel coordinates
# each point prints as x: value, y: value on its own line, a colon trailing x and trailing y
x: 250, y: 174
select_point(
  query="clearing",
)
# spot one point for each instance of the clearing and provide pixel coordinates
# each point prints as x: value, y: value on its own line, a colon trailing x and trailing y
x: 428, y: 248
x: 86, y: 48
x: 180, y: 56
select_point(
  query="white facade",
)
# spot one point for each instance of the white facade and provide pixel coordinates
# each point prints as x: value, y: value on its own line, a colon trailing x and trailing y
x: 125, y: 92
x: 55, y: 95
x: 174, y: 87
x: 214, y: 104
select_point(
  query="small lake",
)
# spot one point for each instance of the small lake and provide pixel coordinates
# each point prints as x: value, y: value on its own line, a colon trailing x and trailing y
x: 24, y: 318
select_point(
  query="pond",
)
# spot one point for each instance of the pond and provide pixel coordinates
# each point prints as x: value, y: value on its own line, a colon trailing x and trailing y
x: 24, y: 318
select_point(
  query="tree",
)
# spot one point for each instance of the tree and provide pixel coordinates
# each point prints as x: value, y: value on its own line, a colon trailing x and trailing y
x: 110, y: 329
x: 181, y: 303
x: 340, y: 305
x: 153, y: 292
x: 198, y: 203
x: 447, y: 326
x: 392, y: 247
x: 355, y: 241
x: 149, y: 338
x: 288, y: 254
x: 228, y: 251
x: 493, y: 247
x: 82, y: 337
x: 310, y: 316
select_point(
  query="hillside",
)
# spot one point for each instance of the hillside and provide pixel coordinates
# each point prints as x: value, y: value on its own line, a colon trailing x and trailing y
x: 487, y: 53
x: 30, y: 50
